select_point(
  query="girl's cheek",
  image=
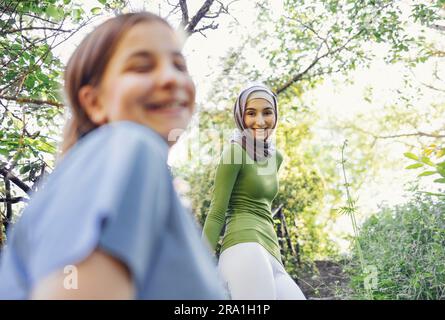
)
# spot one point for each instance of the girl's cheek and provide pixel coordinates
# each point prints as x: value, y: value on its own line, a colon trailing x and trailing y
x: 133, y: 87
x: 272, y: 121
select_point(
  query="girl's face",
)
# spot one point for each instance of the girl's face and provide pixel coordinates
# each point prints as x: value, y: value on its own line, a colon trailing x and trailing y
x: 259, y: 116
x: 145, y: 81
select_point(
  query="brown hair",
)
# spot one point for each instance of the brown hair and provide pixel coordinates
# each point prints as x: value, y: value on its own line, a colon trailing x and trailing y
x: 87, y: 66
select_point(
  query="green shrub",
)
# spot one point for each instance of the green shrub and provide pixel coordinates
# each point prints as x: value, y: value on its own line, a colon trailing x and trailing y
x: 406, y: 245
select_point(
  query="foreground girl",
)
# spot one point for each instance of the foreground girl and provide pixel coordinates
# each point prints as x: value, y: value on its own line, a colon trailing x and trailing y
x: 107, y: 224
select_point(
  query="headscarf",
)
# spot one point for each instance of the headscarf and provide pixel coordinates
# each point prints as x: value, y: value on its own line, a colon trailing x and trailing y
x: 257, y: 149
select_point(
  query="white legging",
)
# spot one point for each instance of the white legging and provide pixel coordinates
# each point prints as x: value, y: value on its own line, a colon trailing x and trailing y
x: 252, y: 273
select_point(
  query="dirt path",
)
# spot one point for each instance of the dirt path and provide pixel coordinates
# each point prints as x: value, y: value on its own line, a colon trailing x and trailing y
x: 327, y: 282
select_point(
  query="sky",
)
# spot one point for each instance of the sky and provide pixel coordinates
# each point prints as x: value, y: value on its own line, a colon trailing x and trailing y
x: 334, y: 97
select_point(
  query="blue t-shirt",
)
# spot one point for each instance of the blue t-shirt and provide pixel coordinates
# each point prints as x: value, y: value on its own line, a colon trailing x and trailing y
x: 113, y: 190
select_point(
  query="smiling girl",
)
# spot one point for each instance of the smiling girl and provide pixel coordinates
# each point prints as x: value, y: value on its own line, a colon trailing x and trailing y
x: 245, y: 185
x: 107, y: 223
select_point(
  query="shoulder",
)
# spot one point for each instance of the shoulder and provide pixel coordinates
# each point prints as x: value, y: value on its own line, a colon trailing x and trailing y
x: 232, y: 148
x: 131, y: 133
x: 280, y: 157
x: 232, y: 154
x: 114, y: 158
x: 118, y: 140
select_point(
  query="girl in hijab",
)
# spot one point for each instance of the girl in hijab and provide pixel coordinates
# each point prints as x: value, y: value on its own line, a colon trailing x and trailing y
x: 245, y: 185
x: 107, y: 223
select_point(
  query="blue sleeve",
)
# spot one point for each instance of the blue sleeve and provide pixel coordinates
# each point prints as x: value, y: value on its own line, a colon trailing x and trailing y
x: 112, y: 192
x: 133, y: 233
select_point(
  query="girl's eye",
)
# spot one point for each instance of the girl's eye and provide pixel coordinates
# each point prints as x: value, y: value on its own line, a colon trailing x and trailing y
x: 180, y: 65
x: 141, y: 68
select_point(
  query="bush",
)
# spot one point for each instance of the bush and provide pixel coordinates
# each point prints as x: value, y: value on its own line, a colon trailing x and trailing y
x: 406, y: 245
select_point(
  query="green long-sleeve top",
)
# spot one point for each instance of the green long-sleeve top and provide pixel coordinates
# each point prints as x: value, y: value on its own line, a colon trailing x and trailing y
x: 242, y: 197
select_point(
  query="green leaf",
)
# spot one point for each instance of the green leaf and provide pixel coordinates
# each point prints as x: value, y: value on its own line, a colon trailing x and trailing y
x: 46, y: 147
x: 52, y: 11
x: 411, y: 156
x: 103, y: 1
x: 96, y: 10
x: 433, y: 193
x: 414, y: 166
x: 440, y: 153
x: 4, y: 152
x: 77, y: 14
x: 441, y: 180
x: 25, y: 169
x: 427, y: 161
x: 427, y: 173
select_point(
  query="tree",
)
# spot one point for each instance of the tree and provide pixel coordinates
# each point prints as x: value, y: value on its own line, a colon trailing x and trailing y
x: 29, y: 91
x: 311, y: 41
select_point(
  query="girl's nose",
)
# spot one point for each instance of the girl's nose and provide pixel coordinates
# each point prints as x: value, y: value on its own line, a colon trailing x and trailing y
x: 168, y: 76
x: 260, y: 121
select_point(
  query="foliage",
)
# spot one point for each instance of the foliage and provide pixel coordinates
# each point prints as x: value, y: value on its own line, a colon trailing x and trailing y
x: 425, y: 161
x: 351, y: 210
x: 302, y: 191
x: 30, y: 101
x: 312, y: 40
x: 406, y: 244
x: 301, y: 185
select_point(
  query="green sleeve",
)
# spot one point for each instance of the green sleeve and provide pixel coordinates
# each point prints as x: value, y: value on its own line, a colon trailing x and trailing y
x: 225, y: 177
x: 279, y: 159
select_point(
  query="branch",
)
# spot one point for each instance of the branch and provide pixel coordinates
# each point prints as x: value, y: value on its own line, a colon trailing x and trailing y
x: 400, y: 135
x: 52, y: 46
x: 40, y: 18
x: 300, y: 75
x: 199, y: 15
x: 32, y: 101
x: 414, y: 134
x: 210, y: 26
x: 172, y: 11
x: 310, y: 28
x: 438, y: 27
x: 8, y: 203
x: 432, y: 87
x: 19, y: 183
x: 438, y: 53
x: 221, y: 9
x: 3, y: 33
x: 14, y: 200
x: 185, y: 12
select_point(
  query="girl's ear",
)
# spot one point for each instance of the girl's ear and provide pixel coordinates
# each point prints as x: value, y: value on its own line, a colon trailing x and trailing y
x: 89, y: 100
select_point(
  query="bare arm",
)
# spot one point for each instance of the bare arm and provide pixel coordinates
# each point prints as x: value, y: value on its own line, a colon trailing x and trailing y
x: 99, y: 276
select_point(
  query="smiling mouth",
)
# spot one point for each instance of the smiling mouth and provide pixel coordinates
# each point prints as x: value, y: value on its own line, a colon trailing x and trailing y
x: 261, y: 132
x: 165, y: 106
